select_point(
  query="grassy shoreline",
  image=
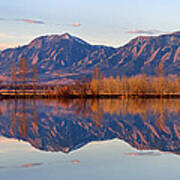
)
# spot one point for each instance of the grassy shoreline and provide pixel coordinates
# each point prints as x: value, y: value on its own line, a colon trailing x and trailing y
x: 90, y: 96
x: 98, y: 86
x: 140, y: 86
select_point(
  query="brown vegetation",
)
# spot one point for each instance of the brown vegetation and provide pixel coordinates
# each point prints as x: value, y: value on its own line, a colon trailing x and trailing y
x: 143, y: 86
x: 136, y: 86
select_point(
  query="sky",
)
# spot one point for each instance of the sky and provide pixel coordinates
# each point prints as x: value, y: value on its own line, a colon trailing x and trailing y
x: 107, y: 22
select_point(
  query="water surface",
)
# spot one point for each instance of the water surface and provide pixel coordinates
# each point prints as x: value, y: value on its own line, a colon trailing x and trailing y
x: 90, y: 139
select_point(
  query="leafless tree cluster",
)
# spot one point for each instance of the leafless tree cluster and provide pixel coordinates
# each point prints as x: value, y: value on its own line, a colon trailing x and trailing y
x: 140, y: 85
x: 20, y: 73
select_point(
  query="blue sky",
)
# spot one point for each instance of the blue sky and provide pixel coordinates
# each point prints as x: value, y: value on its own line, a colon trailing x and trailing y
x: 106, y: 22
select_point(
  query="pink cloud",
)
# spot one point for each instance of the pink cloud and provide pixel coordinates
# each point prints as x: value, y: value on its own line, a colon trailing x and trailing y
x: 31, y: 21
x: 150, y: 32
x: 75, y: 161
x: 76, y: 24
x: 31, y: 165
x: 143, y: 154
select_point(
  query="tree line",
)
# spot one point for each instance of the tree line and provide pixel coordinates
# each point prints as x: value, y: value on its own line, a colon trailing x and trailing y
x: 140, y: 85
x: 159, y: 85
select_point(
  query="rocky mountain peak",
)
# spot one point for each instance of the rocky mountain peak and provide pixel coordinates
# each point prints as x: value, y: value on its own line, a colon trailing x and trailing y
x: 66, y: 36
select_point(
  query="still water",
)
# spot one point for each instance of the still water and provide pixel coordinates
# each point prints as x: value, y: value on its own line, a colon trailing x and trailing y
x: 90, y: 139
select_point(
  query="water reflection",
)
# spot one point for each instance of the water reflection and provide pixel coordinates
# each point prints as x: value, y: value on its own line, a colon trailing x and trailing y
x: 65, y: 125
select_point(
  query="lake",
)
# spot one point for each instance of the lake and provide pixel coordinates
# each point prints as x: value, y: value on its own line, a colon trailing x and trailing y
x: 78, y: 139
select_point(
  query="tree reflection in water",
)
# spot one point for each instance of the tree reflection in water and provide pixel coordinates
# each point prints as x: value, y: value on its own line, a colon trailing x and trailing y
x: 67, y: 124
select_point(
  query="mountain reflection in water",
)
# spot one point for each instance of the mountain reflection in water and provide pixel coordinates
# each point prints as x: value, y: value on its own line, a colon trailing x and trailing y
x: 66, y: 125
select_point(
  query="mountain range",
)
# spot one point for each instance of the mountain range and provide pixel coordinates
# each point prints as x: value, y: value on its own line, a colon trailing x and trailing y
x: 65, y: 57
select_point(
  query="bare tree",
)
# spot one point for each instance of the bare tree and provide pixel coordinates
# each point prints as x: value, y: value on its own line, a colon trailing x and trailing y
x: 35, y: 78
x: 13, y: 76
x: 23, y: 73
